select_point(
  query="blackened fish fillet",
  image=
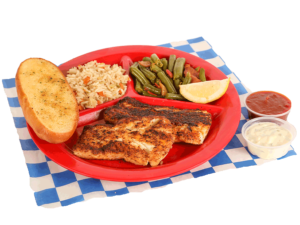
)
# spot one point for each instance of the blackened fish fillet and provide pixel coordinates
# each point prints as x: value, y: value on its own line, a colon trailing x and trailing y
x: 189, y: 126
x: 139, y: 140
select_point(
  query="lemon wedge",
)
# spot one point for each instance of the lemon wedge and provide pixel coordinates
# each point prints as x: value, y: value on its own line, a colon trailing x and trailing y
x: 204, y: 92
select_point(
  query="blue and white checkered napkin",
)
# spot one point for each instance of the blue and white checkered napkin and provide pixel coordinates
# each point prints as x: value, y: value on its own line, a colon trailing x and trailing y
x: 55, y: 186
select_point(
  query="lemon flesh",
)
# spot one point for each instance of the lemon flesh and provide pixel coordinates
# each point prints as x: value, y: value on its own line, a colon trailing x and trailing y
x: 204, y: 92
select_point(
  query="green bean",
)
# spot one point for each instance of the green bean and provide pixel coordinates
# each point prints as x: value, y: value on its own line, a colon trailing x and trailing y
x: 174, y: 96
x: 146, y: 59
x: 138, y: 86
x: 165, y: 64
x: 177, y: 83
x: 187, y: 79
x: 145, y: 93
x: 197, y: 69
x: 141, y: 67
x: 151, y: 76
x: 136, y: 64
x: 154, y: 90
x: 165, y: 80
x: 202, y: 75
x: 154, y: 68
x: 172, y: 60
x: 156, y: 60
x: 178, y: 68
x: 139, y: 75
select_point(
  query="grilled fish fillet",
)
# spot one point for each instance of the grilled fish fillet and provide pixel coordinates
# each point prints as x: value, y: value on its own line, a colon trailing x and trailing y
x: 189, y: 126
x: 139, y: 140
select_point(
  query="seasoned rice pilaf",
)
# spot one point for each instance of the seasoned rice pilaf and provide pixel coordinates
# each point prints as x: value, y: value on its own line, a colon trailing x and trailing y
x: 96, y: 83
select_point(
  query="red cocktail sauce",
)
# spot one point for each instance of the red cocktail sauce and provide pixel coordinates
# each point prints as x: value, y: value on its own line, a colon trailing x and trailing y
x: 268, y: 103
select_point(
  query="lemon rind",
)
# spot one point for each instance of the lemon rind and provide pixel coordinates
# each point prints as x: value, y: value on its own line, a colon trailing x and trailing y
x: 223, y: 88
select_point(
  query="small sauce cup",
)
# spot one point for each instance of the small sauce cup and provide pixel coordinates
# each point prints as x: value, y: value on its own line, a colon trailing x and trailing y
x: 254, y: 114
x: 266, y: 152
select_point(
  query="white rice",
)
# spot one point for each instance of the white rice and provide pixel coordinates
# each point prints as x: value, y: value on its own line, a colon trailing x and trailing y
x: 105, y: 83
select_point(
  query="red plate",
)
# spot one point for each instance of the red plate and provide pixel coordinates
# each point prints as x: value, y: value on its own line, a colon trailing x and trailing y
x: 182, y: 157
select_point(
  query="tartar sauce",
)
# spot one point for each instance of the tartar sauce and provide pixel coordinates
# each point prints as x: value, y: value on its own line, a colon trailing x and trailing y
x: 268, y: 136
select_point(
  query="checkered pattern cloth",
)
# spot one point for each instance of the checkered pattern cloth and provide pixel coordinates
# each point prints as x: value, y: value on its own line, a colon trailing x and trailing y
x: 55, y: 186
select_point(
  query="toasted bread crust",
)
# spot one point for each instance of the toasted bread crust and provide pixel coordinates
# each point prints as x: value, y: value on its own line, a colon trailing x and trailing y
x: 32, y: 119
